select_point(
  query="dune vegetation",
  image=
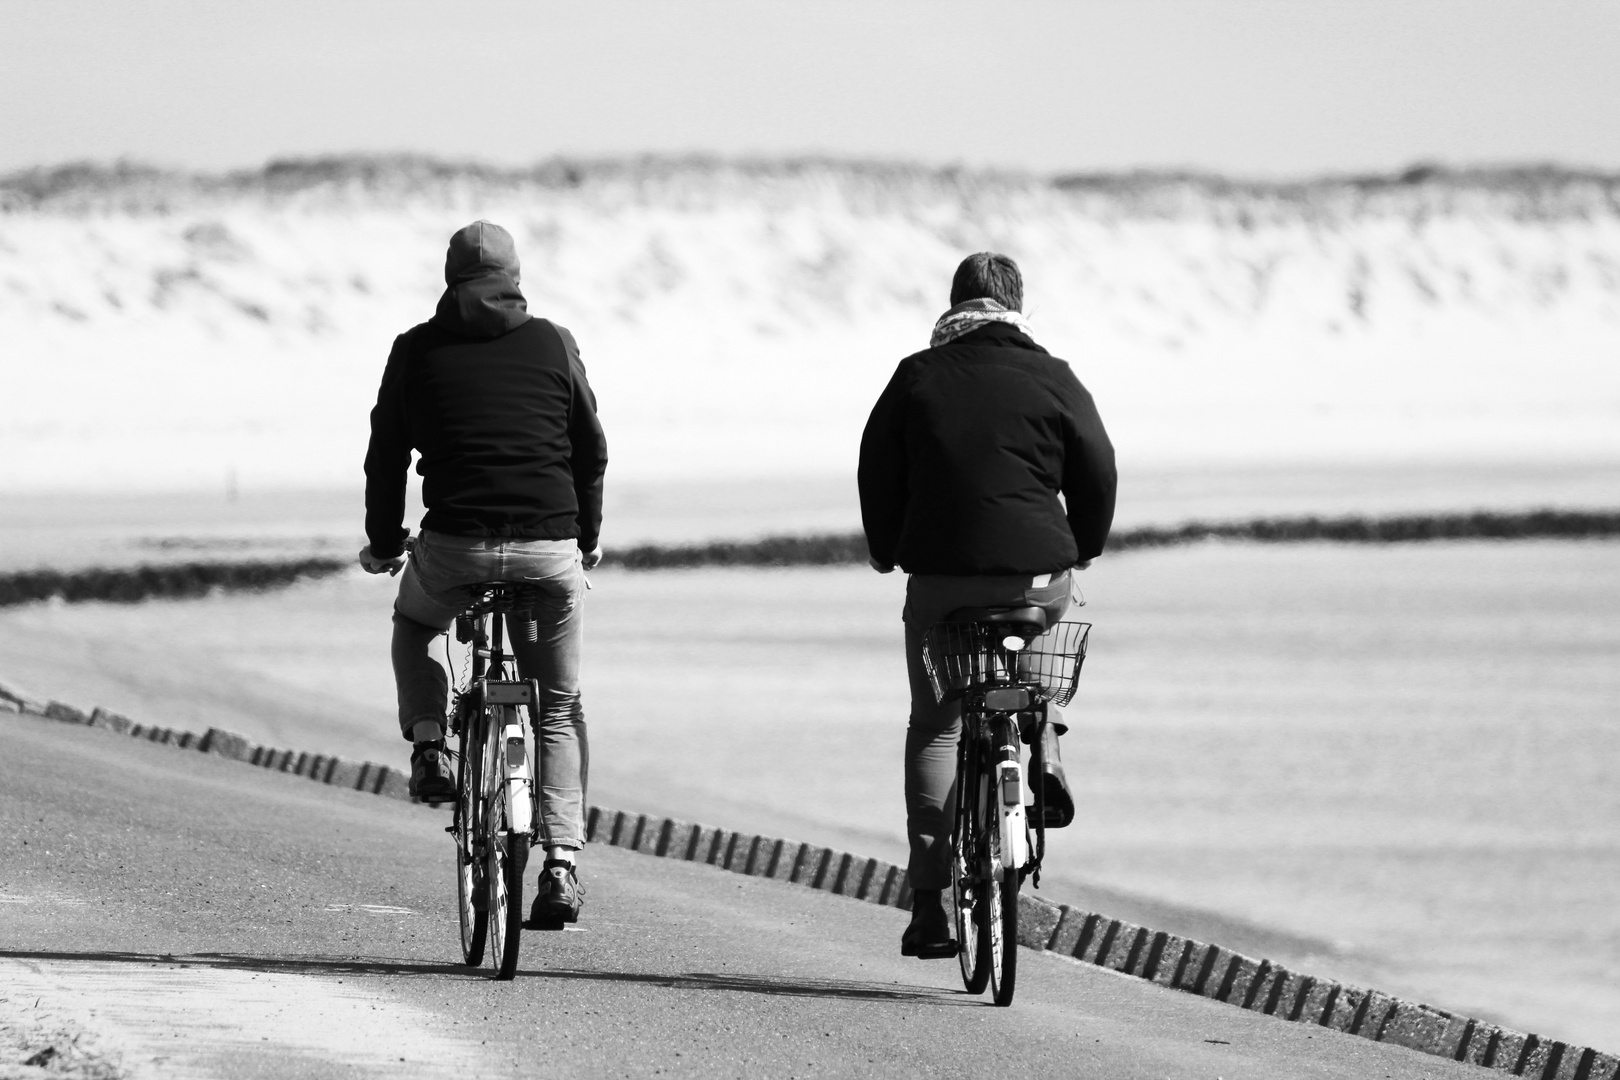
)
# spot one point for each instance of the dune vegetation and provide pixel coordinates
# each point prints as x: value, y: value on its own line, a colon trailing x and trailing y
x: 170, y: 329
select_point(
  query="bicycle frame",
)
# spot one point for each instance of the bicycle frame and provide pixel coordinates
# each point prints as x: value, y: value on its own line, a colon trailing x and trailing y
x: 515, y: 793
x: 497, y: 812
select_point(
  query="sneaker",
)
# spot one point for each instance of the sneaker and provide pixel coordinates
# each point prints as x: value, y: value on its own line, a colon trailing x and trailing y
x: 929, y: 935
x: 558, y: 896
x: 432, y: 779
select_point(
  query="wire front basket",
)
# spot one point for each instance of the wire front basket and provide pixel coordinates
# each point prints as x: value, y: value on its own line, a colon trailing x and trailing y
x: 963, y: 656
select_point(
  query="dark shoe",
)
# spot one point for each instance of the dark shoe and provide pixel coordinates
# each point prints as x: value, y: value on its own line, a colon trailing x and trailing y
x: 432, y: 779
x: 557, y: 898
x: 1049, y: 788
x: 929, y: 935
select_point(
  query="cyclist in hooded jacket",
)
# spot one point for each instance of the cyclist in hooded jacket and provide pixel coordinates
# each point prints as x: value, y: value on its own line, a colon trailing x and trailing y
x: 986, y: 475
x: 496, y: 404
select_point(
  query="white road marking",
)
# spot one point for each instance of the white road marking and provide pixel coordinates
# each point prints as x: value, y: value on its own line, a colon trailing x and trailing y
x: 59, y: 899
x: 166, y: 1021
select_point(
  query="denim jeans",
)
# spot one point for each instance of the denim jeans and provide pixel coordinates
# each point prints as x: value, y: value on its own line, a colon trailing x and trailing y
x: 432, y: 594
x: 935, y: 730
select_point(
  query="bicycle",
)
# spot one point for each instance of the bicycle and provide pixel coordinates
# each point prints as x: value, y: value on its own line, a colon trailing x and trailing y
x: 1006, y: 665
x: 495, y: 820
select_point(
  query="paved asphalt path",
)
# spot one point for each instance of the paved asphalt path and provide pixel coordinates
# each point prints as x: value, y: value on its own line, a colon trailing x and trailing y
x: 190, y: 916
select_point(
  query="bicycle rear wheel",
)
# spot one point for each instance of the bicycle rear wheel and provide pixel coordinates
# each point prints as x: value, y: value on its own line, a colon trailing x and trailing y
x: 471, y: 896
x: 1001, y: 915
x: 967, y: 884
x: 507, y: 856
x: 999, y: 909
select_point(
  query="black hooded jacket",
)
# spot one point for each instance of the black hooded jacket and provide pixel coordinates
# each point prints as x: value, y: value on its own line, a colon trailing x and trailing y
x: 496, y: 403
x: 967, y: 452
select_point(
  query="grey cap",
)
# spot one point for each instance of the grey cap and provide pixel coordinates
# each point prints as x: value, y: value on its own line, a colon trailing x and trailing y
x: 478, y: 249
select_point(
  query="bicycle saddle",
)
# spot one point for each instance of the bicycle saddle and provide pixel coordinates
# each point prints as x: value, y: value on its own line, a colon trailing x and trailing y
x: 518, y: 597
x: 1031, y: 620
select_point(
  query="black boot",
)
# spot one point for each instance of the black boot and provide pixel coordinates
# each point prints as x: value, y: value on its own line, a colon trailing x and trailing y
x: 1047, y: 783
x: 929, y: 935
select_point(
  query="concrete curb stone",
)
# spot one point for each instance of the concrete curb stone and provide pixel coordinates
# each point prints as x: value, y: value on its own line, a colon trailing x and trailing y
x: 1376, y: 1012
x: 1602, y: 1066
x: 1318, y: 1002
x: 105, y: 718
x: 1165, y: 959
x: 226, y: 744
x: 65, y: 713
x: 763, y: 857
x: 677, y: 840
x: 1509, y: 1050
x: 346, y: 774
x: 23, y: 701
x: 1037, y: 921
x: 1066, y: 935
x: 1541, y: 1058
x: 1420, y: 1027
x: 1125, y: 950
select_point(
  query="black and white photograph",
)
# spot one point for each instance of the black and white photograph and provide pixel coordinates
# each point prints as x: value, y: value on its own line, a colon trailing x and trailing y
x: 738, y: 538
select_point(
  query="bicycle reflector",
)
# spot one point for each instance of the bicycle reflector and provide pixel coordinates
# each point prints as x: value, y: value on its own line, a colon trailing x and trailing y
x: 1013, y: 643
x: 1011, y: 794
x: 514, y: 753
x: 1006, y: 698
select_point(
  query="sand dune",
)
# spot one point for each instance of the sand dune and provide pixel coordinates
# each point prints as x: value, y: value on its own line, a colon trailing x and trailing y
x: 170, y: 331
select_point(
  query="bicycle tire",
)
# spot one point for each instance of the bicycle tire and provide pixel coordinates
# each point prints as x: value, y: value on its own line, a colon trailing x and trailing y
x: 1004, y: 939
x: 966, y: 864
x: 471, y: 900
x: 1000, y: 910
x: 508, y: 856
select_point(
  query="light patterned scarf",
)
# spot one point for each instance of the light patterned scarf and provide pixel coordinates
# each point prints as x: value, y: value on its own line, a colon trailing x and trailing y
x: 969, y: 315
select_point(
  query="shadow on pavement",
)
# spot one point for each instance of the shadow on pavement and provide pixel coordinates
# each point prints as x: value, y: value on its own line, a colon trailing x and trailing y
x: 772, y: 984
x: 306, y: 965
x: 362, y: 965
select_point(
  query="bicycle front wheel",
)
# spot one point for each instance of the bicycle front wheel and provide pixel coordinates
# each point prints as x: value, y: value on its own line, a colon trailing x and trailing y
x: 999, y: 909
x: 471, y: 895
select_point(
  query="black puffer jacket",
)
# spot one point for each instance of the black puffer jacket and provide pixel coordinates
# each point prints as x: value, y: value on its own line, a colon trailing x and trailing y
x: 967, y: 452
x: 497, y: 404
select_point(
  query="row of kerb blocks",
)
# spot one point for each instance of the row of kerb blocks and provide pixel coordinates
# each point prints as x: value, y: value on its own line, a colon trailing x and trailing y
x: 364, y: 776
x: 827, y: 869
x: 357, y: 775
x: 1168, y: 960
x: 1194, y: 967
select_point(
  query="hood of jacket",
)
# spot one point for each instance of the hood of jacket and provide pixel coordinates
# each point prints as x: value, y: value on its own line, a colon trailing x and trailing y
x: 481, y: 297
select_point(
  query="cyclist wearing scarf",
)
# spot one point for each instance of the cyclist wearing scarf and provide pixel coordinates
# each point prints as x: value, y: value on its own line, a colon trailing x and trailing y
x: 496, y: 404
x: 986, y: 475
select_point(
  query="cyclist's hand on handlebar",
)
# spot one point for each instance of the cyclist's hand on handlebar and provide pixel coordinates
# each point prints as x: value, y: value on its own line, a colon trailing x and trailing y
x: 1082, y: 564
x: 593, y: 558
x: 373, y: 565
x: 881, y: 568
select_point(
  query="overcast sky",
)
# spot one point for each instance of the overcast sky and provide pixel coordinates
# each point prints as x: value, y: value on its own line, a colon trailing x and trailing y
x: 1259, y: 88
